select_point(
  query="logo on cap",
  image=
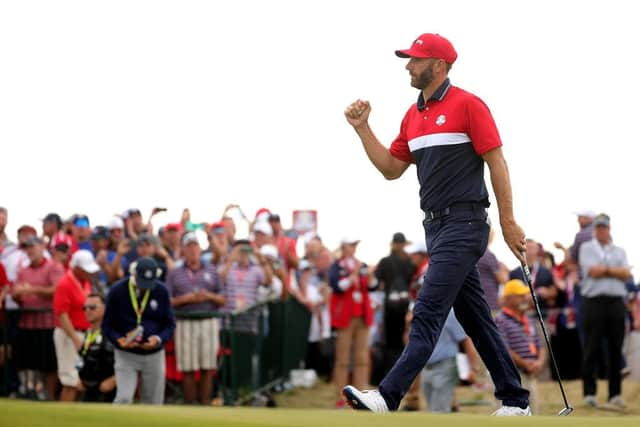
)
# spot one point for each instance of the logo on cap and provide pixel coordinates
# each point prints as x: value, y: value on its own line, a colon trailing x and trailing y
x: 418, y: 41
x: 153, y: 304
x: 441, y: 120
x: 148, y: 274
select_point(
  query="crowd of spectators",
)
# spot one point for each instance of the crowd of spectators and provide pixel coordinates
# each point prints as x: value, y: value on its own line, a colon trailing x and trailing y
x: 98, y: 307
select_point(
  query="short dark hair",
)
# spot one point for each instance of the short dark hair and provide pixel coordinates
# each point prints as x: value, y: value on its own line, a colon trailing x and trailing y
x: 98, y: 295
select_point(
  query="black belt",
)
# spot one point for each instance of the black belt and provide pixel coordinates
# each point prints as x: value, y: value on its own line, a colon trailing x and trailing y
x: 454, y: 208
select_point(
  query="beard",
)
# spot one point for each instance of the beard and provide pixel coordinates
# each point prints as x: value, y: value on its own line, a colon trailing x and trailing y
x: 424, y: 79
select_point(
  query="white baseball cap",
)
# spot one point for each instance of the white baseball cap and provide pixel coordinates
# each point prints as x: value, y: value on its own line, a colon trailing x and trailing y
x: 589, y: 213
x: 263, y: 227
x: 269, y: 251
x: 84, y: 260
x: 416, y: 248
x: 115, y: 222
x: 190, y: 237
x: 349, y: 240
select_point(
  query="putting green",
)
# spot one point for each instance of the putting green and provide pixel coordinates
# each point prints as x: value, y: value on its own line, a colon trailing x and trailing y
x: 23, y: 413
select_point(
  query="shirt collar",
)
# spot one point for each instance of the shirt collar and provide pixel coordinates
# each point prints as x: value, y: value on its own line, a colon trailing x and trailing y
x: 438, y: 95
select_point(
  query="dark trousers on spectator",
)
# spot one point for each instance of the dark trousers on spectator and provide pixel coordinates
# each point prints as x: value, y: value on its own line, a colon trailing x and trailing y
x: 603, y: 317
x: 455, y: 244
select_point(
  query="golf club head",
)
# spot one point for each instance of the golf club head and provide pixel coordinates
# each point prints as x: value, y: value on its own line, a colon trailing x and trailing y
x: 566, y: 411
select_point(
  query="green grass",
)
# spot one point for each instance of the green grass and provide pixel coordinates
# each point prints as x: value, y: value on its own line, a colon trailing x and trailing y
x: 22, y: 413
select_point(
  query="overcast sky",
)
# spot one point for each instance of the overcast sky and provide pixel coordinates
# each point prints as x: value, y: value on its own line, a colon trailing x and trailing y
x: 111, y: 105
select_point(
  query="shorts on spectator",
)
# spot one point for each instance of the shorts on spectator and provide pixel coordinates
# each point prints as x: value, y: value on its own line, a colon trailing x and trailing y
x: 35, y: 350
x: 67, y: 357
x: 197, y: 342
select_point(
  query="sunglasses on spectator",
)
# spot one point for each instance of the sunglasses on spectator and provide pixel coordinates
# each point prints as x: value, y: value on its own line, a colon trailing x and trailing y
x: 89, y: 307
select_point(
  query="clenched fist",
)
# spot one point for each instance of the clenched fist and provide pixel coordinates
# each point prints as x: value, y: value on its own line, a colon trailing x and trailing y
x: 357, y: 113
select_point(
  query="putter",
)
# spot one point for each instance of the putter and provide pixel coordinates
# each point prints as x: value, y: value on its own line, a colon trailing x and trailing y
x: 527, y: 275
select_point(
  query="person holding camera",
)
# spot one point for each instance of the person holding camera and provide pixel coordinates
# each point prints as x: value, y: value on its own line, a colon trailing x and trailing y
x: 138, y: 321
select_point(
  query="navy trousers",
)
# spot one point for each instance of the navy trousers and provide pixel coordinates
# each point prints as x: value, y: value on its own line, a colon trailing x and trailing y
x: 455, y: 243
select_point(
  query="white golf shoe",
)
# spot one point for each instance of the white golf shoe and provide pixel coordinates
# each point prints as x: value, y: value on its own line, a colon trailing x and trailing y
x: 512, y: 411
x: 366, y: 400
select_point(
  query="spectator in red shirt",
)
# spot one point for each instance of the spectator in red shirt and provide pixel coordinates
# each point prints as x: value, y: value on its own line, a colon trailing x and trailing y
x: 286, y: 245
x: 34, y: 289
x: 351, y: 315
x: 5, y: 288
x: 70, y: 322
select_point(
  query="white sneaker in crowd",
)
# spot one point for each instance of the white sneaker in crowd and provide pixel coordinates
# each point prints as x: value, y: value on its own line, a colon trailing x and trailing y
x: 590, y: 400
x: 512, y: 411
x: 367, y: 400
x: 617, y: 403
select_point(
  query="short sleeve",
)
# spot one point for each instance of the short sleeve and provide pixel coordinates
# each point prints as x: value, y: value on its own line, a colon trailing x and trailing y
x: 61, y: 299
x: 481, y: 127
x: 400, y: 146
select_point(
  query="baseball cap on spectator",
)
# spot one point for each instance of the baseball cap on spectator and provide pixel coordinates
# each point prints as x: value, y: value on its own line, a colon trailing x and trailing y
x: 416, y: 248
x: 269, y: 251
x: 245, y: 245
x: 173, y: 226
x: 27, y: 229
x: 53, y: 217
x: 146, y: 272
x: 62, y: 241
x: 190, y: 237
x: 115, y: 223
x: 33, y: 240
x: 515, y: 287
x: 146, y: 238
x: 399, y: 238
x: 218, y: 227
x: 309, y: 236
x: 262, y: 214
x: 84, y: 260
x: 133, y: 211
x: 349, y: 240
x: 263, y: 227
x: 100, y: 232
x: 589, y: 213
x: 430, y: 46
x: 81, y: 221
x: 602, y: 220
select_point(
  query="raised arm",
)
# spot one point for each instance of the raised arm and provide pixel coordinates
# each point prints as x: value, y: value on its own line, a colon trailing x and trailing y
x: 390, y: 167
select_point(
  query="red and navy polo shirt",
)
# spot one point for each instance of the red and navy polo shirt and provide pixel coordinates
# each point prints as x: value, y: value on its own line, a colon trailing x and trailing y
x: 445, y: 137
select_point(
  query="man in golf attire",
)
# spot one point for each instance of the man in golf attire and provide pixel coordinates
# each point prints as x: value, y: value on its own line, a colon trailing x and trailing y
x: 449, y: 134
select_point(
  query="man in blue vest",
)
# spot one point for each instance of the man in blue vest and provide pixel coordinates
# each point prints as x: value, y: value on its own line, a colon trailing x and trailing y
x: 139, y: 320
